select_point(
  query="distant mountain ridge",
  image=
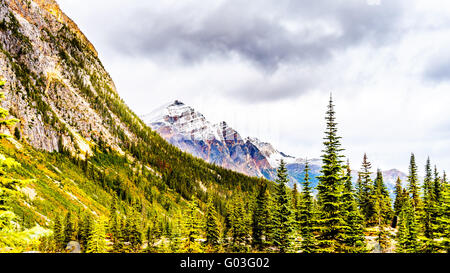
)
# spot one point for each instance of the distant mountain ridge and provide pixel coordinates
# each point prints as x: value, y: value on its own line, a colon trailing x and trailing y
x: 189, y: 130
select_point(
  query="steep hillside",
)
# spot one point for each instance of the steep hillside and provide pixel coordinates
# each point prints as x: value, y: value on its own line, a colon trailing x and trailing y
x: 75, y: 136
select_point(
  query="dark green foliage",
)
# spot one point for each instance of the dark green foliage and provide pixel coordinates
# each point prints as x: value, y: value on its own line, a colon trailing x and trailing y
x: 85, y: 230
x: 365, y: 191
x: 283, y: 217
x: 353, y: 234
x: 212, y: 226
x: 261, y: 219
x: 330, y: 222
x: 408, y: 230
x: 443, y: 219
x: 413, y: 181
x: 58, y: 234
x: 400, y: 196
x: 69, y: 228
x: 193, y: 227
x: 307, y: 221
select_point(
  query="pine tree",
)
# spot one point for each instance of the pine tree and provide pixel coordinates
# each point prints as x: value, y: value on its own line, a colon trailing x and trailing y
x: 413, y: 183
x: 382, y: 201
x: 407, y: 236
x: 428, y: 209
x: 58, y: 234
x: 86, y: 227
x: 69, y: 228
x: 365, y: 191
x: 353, y: 236
x: 261, y: 218
x: 295, y: 206
x: 330, y: 222
x: 97, y: 240
x: 399, y: 197
x: 283, y: 222
x: 437, y: 186
x: 306, y: 216
x: 443, y: 220
x: 239, y: 222
x: 135, y: 232
x: 192, y: 228
x: 212, y: 226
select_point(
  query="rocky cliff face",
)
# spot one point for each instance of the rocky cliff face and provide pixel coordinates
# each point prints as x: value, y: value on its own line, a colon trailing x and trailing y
x: 56, y: 85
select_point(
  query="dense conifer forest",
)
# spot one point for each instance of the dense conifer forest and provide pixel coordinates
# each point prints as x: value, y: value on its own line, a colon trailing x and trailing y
x: 133, y: 208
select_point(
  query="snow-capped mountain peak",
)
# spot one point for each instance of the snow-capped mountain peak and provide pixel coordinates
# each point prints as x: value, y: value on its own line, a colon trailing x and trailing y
x: 272, y: 155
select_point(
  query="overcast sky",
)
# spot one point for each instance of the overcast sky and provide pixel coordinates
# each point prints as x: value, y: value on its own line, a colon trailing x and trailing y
x: 268, y: 67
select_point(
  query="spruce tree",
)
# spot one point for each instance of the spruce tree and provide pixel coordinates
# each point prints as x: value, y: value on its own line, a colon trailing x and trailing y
x: 399, y: 196
x: 69, y: 228
x: 353, y: 235
x: 413, y: 179
x: 365, y: 191
x: 306, y: 213
x: 135, y: 232
x: 295, y: 206
x: 58, y: 234
x: 192, y: 228
x: 97, y: 240
x: 408, y: 230
x: 283, y: 222
x: 428, y: 213
x: 261, y: 218
x: 330, y: 222
x: 443, y: 220
x: 212, y: 226
x: 382, y: 201
x: 86, y: 228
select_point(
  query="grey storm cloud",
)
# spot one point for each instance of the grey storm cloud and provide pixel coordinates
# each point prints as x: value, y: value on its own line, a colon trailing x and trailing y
x: 255, y: 31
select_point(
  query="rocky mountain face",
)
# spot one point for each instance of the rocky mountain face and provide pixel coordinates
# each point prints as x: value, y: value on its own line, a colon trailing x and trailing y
x: 220, y: 144
x: 78, y: 143
x: 56, y: 85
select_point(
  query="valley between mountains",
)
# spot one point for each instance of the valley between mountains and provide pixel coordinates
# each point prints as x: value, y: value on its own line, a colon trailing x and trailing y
x: 81, y: 172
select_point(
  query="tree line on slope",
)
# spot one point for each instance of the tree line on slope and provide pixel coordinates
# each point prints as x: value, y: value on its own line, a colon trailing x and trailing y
x: 339, y: 219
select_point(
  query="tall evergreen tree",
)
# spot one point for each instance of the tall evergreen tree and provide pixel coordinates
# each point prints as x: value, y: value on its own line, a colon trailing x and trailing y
x: 85, y: 230
x: 97, y: 240
x: 353, y: 235
x: 307, y: 220
x: 383, y: 211
x: 382, y: 201
x: 428, y: 213
x: 212, y: 226
x: 135, y: 232
x: 330, y: 222
x: 399, y: 196
x: 365, y: 191
x: 408, y: 230
x: 261, y: 218
x: 192, y: 228
x: 69, y: 228
x: 295, y: 206
x: 283, y: 218
x: 437, y: 186
x: 413, y: 186
x: 58, y: 234
x: 443, y: 220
